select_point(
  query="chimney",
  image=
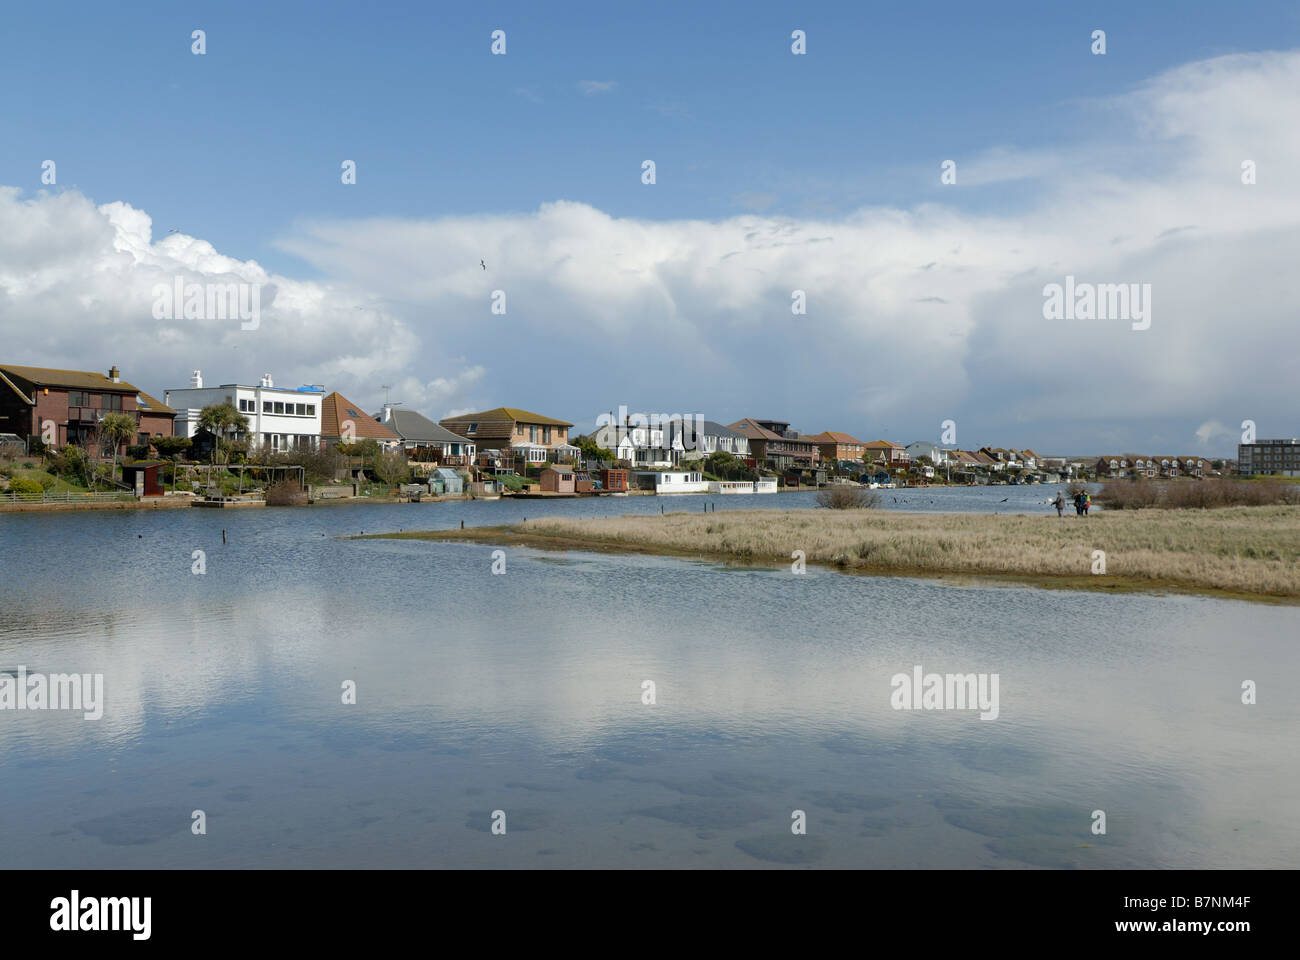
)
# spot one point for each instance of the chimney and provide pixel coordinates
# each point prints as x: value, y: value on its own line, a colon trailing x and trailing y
x: 115, y: 374
x: 266, y: 380
x: 388, y: 413
x: 196, y: 380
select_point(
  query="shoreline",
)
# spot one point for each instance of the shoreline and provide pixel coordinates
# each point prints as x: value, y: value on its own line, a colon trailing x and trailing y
x: 1142, y: 549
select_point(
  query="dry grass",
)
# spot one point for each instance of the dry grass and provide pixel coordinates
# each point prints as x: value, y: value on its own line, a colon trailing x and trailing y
x: 1251, y: 552
x: 1195, y: 494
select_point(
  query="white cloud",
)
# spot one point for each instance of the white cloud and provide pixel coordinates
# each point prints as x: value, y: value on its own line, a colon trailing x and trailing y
x: 914, y: 315
x: 593, y: 87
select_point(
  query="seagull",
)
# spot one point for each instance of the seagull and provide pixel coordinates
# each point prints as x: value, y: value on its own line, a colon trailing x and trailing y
x: 482, y: 264
x: 1003, y: 500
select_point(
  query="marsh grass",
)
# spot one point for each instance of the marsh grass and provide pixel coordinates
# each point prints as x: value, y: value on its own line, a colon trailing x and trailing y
x: 1252, y: 551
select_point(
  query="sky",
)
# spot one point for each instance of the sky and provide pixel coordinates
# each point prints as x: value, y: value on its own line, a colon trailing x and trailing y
x: 774, y: 173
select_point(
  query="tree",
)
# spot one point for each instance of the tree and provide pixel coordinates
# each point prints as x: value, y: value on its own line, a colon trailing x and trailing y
x: 391, y: 467
x: 171, y: 446
x: 591, y: 450
x: 222, y: 419
x: 114, y: 430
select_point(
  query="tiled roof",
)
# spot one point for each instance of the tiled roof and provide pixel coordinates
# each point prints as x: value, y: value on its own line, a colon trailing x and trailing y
x: 753, y: 431
x: 510, y: 414
x: 833, y: 436
x: 337, y: 409
x: 74, y: 379
x: 883, y: 445
x: 153, y: 405
x: 417, y: 428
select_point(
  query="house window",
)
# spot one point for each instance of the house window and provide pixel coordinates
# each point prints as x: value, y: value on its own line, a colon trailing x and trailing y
x: 532, y: 434
x: 78, y: 398
x: 266, y: 406
x: 279, y: 407
x: 546, y: 435
x: 473, y: 428
x: 311, y: 409
x: 301, y: 409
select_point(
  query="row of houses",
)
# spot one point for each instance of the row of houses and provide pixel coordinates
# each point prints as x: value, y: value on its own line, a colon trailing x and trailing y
x: 65, y: 406
x: 61, y: 407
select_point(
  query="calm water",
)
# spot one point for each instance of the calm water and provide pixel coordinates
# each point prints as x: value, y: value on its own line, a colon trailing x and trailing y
x: 522, y: 693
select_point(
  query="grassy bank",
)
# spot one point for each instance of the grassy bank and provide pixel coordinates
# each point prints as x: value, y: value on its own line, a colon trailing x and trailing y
x: 1246, y: 552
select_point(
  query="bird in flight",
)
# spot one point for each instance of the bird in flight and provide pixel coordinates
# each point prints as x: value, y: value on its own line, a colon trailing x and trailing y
x: 482, y: 264
x: 1003, y: 500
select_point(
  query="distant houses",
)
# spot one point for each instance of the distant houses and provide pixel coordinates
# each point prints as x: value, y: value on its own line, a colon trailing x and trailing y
x: 663, y: 453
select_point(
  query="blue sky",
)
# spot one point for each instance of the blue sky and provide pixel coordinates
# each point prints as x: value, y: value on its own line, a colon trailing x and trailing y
x: 459, y: 153
x: 238, y: 144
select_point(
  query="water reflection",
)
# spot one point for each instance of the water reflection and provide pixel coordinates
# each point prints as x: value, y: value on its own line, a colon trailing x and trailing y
x: 522, y: 693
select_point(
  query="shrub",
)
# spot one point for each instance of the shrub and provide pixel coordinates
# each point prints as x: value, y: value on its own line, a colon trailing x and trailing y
x: 287, y: 493
x: 843, y: 497
x: 138, y: 451
x: 25, y: 485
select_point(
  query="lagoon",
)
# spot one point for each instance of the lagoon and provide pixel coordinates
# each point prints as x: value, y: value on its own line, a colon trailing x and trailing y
x: 523, y: 693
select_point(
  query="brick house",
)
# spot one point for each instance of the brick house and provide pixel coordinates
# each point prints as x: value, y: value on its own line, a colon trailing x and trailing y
x: 72, y: 403
x: 510, y: 430
x: 774, y: 443
x: 834, y: 445
x: 890, y: 453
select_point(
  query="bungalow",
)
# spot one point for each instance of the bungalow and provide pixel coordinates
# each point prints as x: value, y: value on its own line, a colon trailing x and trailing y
x: 773, y: 442
x: 891, y: 453
x: 963, y: 459
x: 834, y: 445
x: 343, y: 422
x: 426, y: 442
x: 511, y: 431
x: 66, y: 406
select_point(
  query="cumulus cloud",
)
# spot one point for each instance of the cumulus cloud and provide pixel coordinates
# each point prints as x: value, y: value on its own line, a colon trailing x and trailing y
x: 913, y: 316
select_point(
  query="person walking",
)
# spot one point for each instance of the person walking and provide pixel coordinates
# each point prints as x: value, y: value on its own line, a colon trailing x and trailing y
x: 1078, y: 504
x: 1059, y: 503
x: 1087, y: 502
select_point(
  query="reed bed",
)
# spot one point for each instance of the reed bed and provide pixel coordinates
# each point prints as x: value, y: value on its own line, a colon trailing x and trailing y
x: 1253, y: 552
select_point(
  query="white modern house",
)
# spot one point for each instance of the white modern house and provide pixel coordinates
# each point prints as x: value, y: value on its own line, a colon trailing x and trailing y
x: 923, y: 448
x: 278, y: 418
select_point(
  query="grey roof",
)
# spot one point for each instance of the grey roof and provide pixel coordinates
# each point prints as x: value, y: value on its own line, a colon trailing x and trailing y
x: 712, y: 429
x: 418, y: 428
